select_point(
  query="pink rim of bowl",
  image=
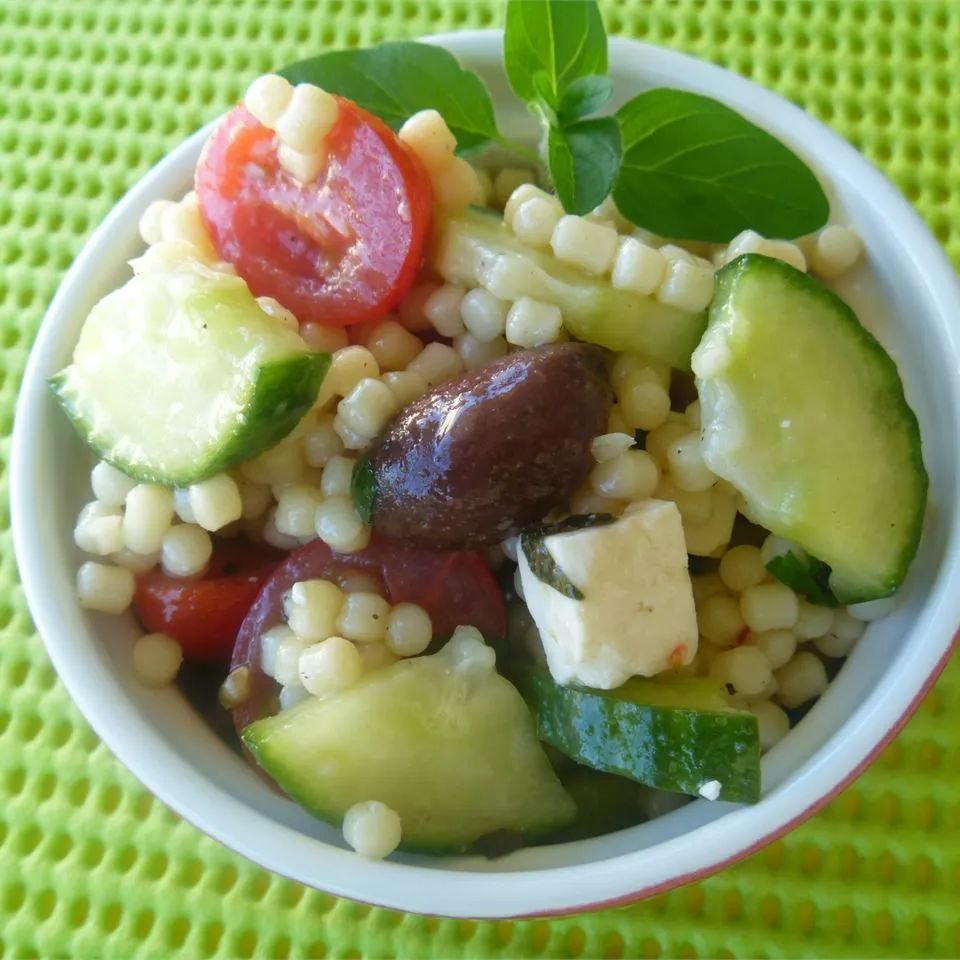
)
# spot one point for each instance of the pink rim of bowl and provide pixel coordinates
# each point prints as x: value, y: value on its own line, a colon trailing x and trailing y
x: 169, y: 748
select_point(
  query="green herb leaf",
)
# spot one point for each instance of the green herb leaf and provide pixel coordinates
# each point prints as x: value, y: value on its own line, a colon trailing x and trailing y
x: 563, y: 40
x: 808, y: 577
x: 583, y: 96
x: 696, y: 170
x: 395, y: 80
x: 583, y: 159
x: 363, y: 489
x: 540, y: 559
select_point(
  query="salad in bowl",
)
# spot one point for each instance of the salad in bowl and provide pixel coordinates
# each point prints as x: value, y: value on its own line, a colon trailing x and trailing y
x: 502, y: 495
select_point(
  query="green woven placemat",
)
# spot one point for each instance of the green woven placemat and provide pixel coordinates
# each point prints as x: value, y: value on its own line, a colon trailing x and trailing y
x: 92, y: 92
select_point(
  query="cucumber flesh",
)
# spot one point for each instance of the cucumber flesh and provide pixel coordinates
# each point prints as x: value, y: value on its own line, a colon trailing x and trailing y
x: 444, y: 740
x: 476, y: 249
x: 679, y: 736
x: 804, y: 413
x: 180, y: 375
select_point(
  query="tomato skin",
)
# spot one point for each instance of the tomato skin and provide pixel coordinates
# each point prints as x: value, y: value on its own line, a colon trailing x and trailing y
x: 453, y: 587
x: 344, y: 249
x: 204, y: 615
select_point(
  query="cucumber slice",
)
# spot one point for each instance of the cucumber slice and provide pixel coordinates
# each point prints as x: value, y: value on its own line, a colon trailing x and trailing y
x: 605, y: 803
x: 444, y: 740
x: 477, y: 249
x: 679, y: 736
x: 178, y: 376
x: 804, y: 413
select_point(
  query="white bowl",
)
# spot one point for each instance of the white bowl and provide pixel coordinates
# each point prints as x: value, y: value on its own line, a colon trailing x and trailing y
x: 159, y: 737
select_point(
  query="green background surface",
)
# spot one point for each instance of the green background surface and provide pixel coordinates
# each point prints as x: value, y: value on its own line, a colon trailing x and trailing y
x: 92, y: 93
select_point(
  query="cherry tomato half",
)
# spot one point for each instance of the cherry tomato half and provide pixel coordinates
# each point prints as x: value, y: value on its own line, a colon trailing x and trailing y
x: 453, y: 587
x: 343, y: 249
x: 204, y: 615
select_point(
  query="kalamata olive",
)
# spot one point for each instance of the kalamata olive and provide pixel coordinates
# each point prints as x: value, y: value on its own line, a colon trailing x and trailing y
x: 486, y: 454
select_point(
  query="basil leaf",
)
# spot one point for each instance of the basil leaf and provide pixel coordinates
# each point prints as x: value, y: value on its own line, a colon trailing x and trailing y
x: 583, y: 96
x: 363, y: 489
x: 395, y: 80
x: 695, y: 169
x: 540, y: 559
x: 563, y: 39
x: 583, y: 159
x: 808, y: 577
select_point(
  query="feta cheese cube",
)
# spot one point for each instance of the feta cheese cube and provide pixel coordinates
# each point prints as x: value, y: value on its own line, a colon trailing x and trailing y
x: 637, y: 615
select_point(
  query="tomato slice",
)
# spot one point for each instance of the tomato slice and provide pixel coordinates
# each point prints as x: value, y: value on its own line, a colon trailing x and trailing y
x: 453, y: 587
x: 205, y: 615
x: 341, y: 250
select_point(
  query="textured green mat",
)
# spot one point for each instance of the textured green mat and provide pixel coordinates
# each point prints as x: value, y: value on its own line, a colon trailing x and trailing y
x: 92, y: 92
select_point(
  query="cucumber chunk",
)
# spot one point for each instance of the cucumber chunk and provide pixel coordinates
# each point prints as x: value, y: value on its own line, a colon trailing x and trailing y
x: 804, y: 413
x: 444, y: 740
x: 477, y: 249
x: 681, y: 735
x: 180, y: 375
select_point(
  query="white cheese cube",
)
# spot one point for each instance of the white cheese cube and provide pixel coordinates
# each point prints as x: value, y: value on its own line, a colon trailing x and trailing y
x: 637, y: 615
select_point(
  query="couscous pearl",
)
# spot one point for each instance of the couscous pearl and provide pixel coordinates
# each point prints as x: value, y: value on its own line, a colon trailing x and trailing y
x: 99, y: 529
x: 507, y: 181
x: 104, y: 588
x: 286, y: 664
x: 633, y: 475
x: 339, y: 525
x: 364, y: 617
x: 745, y: 668
x: 181, y: 505
x: 269, y: 646
x: 694, y: 507
x: 331, y: 666
x: 522, y: 193
x: 661, y: 438
x: 455, y: 186
x: 708, y: 537
x: 802, y: 679
x: 350, y: 365
x: 720, y: 620
x: 393, y: 345
x: 254, y: 499
x: 135, y: 562
x: 769, y: 606
x: 442, y: 309
x: 616, y: 422
x: 410, y: 311
x: 532, y: 323
x: 749, y: 241
x: 847, y: 626
x: 283, y: 464
x: 637, y: 267
x: 832, y: 645
x: 282, y: 541
x: 305, y: 121
x: 324, y: 339
x: 686, y: 286
x: 297, y: 509
x: 409, y: 630
x: 235, y: 689
x: 588, y: 246
x: 406, y: 386
x: 741, y: 567
x: 628, y: 368
x: 147, y: 517
x: 609, y: 446
x: 109, y: 485
x: 337, y: 475
x: 812, y: 620
x: 426, y: 133
x: 156, y: 659
x: 587, y: 500
x: 872, y: 610
x: 322, y: 443
x: 182, y: 222
x: 267, y: 97
x: 290, y: 696
x: 687, y: 469
x: 216, y: 502
x: 772, y: 722
x: 351, y: 439
x: 368, y: 407
x: 835, y: 251
x: 535, y: 220
x: 483, y: 314
x: 375, y: 656
x: 151, y: 223
x: 707, y: 585
x: 312, y: 608
x: 478, y: 353
x: 186, y: 550
x: 437, y: 363
x: 692, y: 413
x: 372, y: 829
x: 777, y: 645
x: 644, y: 404
x: 274, y: 309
